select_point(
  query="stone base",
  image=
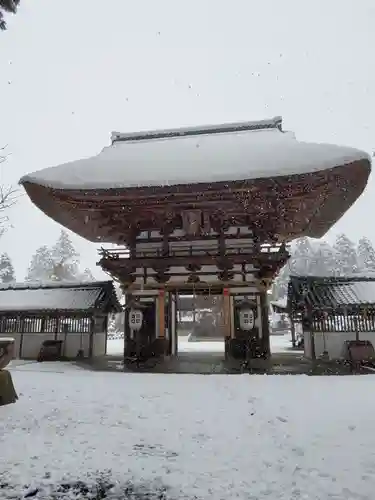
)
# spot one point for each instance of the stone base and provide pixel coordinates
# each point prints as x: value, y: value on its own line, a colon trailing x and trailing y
x: 237, y: 349
x: 8, y: 393
x: 156, y: 348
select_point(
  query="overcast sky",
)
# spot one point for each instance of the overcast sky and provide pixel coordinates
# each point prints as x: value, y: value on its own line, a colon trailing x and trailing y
x: 72, y: 71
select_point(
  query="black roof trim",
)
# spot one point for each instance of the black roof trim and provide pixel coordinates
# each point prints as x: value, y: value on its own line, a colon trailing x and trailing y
x: 273, y: 123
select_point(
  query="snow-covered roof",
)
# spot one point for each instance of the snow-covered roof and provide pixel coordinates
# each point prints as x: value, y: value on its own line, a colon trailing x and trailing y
x: 32, y: 297
x: 280, y: 304
x: 331, y: 292
x: 230, y: 152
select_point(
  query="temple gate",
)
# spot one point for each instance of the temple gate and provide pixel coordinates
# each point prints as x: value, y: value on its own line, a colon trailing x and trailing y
x: 208, y: 209
x: 218, y: 259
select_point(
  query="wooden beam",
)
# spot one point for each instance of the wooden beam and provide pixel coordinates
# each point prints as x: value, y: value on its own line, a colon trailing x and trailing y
x: 161, y: 313
x: 227, y: 312
x: 265, y: 324
x: 301, y: 181
x: 192, y: 259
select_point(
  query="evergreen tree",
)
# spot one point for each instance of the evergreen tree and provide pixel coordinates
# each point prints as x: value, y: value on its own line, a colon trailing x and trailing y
x: 280, y: 284
x: 119, y: 322
x: 65, y: 259
x: 116, y: 323
x: 87, y: 275
x: 346, y: 256
x: 308, y: 258
x: 301, y: 254
x: 8, y: 195
x: 323, y: 260
x: 41, y: 265
x: 7, y: 6
x: 366, y: 255
x: 6, y: 269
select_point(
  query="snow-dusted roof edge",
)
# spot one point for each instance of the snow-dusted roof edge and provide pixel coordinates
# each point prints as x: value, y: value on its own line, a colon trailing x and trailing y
x: 273, y: 123
x: 34, y: 285
x: 152, y: 158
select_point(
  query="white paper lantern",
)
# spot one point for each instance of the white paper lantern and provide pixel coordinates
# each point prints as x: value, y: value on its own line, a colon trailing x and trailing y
x: 135, y: 319
x: 247, y: 319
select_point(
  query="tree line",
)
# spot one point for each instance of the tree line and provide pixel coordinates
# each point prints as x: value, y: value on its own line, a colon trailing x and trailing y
x: 7, y: 6
x: 61, y: 262
x: 318, y: 258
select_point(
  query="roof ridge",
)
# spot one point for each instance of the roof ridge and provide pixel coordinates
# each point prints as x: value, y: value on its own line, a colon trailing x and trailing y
x: 271, y: 123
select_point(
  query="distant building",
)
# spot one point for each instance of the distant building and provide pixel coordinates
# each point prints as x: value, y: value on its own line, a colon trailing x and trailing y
x: 206, y: 209
x: 332, y: 311
x: 75, y: 313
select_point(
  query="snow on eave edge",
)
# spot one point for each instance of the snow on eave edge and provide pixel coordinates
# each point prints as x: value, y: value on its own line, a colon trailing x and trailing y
x: 59, y: 185
x: 50, y: 284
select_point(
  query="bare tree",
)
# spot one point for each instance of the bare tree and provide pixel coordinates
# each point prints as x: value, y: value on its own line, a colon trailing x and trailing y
x: 7, y: 6
x: 8, y: 196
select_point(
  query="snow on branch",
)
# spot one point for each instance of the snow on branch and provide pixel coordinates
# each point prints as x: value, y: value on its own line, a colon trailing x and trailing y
x: 3, y: 156
x: 8, y: 195
x: 7, y: 6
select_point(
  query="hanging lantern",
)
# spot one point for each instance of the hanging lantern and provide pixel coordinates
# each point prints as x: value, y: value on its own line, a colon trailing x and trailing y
x: 135, y: 319
x: 247, y: 319
x: 247, y: 316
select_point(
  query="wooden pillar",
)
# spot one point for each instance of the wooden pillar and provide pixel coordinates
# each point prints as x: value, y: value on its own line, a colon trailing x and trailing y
x: 227, y: 317
x: 312, y: 340
x: 226, y: 313
x: 128, y: 341
x: 161, y: 313
x: 22, y: 333
x: 293, y: 330
x: 265, y: 324
x: 308, y: 327
x: 172, y: 323
x: 57, y: 325
x: 92, y: 339
x: 231, y: 310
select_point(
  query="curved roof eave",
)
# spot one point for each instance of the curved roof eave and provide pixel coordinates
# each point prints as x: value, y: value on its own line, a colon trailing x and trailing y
x: 346, y: 184
x: 188, y: 159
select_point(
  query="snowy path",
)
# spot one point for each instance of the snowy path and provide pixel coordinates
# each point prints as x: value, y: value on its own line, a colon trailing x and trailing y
x: 278, y: 344
x: 244, y: 437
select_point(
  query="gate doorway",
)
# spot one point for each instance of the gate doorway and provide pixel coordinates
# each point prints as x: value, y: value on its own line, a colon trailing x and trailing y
x: 200, y: 326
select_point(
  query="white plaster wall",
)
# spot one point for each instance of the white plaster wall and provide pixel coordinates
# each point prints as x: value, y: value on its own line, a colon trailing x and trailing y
x: 73, y: 344
x: 99, y: 344
x: 334, y: 342
x: 17, y: 342
x: 32, y: 342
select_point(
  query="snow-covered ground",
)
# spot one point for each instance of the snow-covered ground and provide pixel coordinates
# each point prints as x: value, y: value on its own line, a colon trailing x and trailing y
x: 116, y: 346
x: 278, y: 344
x: 218, y: 437
x: 281, y: 343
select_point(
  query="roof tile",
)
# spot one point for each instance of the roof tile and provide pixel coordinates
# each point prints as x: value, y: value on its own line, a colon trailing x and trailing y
x: 331, y: 293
